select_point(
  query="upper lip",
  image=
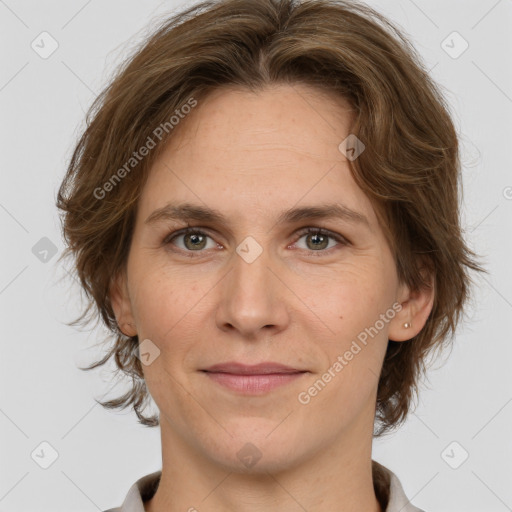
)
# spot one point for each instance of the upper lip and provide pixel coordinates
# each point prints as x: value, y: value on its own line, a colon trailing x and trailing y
x: 256, y: 369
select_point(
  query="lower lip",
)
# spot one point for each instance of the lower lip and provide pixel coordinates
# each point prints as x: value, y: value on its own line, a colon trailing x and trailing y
x: 253, y: 384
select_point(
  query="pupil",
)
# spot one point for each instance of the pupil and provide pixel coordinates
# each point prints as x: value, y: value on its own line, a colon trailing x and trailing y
x: 195, y: 239
x: 318, y: 239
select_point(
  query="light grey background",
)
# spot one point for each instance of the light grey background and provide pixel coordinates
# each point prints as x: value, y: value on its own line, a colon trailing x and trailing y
x: 45, y: 397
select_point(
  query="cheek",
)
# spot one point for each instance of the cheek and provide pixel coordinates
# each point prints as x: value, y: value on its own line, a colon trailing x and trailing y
x: 165, y: 309
x: 350, y: 297
x: 352, y: 357
x: 350, y: 305
x: 162, y: 297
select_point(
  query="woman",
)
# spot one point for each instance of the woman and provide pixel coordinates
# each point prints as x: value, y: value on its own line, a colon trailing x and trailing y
x: 264, y: 210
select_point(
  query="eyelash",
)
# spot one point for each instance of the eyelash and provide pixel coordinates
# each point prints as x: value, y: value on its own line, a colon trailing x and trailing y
x: 305, y: 231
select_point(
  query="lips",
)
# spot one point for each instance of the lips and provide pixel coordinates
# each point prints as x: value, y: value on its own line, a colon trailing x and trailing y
x: 257, y: 379
x: 265, y: 368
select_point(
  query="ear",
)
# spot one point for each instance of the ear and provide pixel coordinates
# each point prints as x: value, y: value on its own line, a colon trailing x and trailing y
x: 121, y: 304
x: 416, y: 307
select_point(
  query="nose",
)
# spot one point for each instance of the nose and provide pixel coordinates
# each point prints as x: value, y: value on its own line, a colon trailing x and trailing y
x: 253, y: 299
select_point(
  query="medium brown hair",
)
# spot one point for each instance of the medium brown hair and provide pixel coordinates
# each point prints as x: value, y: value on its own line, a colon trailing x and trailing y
x: 410, y: 168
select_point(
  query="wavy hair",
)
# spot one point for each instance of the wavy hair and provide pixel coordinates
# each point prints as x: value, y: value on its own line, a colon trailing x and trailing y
x: 410, y: 169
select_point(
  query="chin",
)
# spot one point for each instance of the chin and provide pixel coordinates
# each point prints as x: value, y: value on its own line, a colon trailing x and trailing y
x: 258, y: 447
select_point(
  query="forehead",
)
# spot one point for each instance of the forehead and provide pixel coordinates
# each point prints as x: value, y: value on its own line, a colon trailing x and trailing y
x: 297, y: 115
x: 255, y: 151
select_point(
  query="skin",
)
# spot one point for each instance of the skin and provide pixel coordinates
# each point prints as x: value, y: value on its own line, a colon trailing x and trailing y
x: 251, y: 156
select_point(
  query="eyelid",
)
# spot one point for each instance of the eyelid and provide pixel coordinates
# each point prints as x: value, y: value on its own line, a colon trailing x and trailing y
x: 186, y: 231
x: 322, y: 231
x: 342, y: 240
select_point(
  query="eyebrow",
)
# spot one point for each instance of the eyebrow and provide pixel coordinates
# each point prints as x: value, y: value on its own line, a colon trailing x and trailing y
x: 188, y: 211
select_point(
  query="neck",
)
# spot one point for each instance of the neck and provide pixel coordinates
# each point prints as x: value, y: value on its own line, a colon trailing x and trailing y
x: 336, y: 477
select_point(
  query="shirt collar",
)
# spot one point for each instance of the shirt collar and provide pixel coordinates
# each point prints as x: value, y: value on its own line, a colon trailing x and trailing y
x: 388, y: 489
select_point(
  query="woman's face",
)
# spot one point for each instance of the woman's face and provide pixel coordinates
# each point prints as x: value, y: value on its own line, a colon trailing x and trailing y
x: 255, y: 287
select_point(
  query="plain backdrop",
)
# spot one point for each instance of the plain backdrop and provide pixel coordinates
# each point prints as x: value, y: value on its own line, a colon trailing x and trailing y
x: 465, y: 407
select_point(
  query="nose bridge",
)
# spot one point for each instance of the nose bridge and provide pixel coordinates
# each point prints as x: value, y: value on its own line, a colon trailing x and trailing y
x: 251, y: 298
x: 251, y: 274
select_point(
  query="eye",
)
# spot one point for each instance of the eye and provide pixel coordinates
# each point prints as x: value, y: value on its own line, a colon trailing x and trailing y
x: 194, y: 240
x: 317, y: 239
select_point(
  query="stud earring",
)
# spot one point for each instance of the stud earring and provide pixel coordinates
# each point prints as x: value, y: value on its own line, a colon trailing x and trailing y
x: 407, y: 325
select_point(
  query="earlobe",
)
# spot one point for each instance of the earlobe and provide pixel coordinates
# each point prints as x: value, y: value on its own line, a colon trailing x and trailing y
x: 412, y: 317
x: 121, y: 305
